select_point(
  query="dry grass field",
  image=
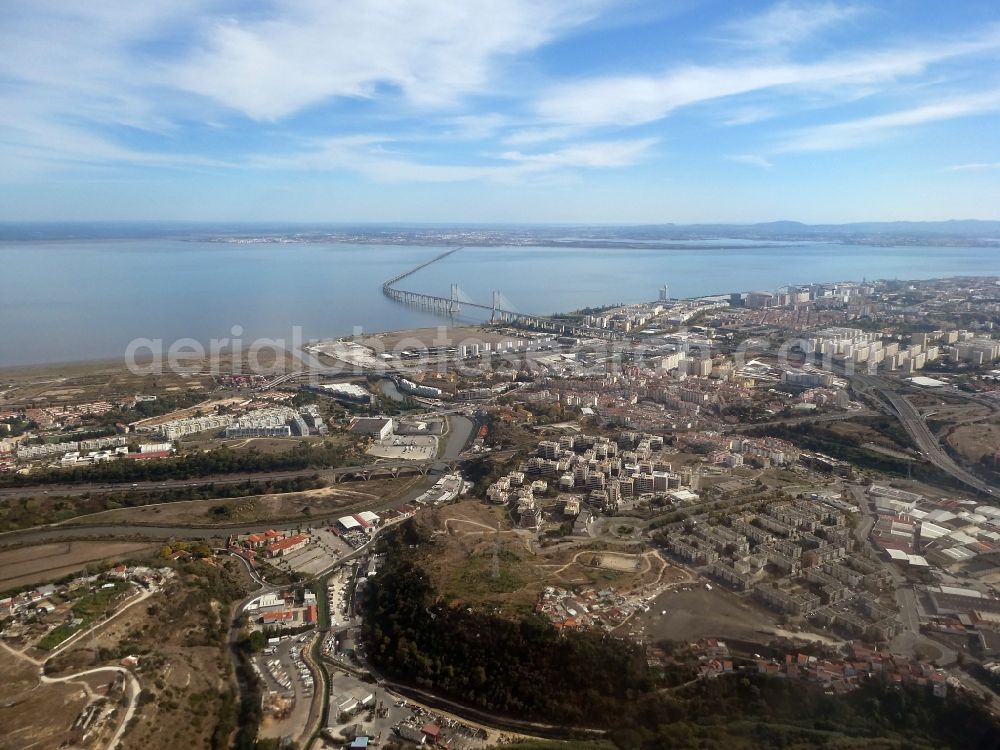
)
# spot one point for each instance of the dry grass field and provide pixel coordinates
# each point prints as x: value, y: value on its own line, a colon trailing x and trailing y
x: 973, y: 441
x: 41, y: 563
x: 89, y: 381
x: 179, y: 635
x: 34, y: 715
x: 42, y: 385
x: 290, y: 506
x: 464, y: 539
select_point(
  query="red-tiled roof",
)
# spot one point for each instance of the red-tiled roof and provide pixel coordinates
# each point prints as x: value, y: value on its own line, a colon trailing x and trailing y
x: 150, y: 454
x: 283, y: 544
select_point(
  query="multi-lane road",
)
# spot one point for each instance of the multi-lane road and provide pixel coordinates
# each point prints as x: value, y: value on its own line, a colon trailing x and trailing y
x: 916, y: 427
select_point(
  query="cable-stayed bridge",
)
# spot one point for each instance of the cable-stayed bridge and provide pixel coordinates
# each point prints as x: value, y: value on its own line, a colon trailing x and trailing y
x: 454, y: 303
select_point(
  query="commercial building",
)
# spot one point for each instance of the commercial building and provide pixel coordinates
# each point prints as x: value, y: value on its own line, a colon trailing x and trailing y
x: 345, y: 392
x: 284, y: 546
x: 378, y: 427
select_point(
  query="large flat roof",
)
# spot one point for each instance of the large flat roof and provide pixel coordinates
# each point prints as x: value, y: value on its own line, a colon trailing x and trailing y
x: 927, y: 382
x: 348, y: 522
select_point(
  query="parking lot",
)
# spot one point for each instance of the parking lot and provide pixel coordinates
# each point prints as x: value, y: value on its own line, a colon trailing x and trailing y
x: 336, y: 546
x: 338, y: 592
x: 411, y: 448
x: 288, y: 687
x: 324, y: 549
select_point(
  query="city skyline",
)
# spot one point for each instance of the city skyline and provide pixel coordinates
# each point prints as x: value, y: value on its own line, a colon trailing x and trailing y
x: 588, y: 112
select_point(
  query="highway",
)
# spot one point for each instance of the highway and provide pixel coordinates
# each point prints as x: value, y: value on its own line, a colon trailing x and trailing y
x: 916, y: 427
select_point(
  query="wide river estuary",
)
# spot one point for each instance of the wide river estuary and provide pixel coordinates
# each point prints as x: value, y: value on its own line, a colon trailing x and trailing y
x: 78, y: 300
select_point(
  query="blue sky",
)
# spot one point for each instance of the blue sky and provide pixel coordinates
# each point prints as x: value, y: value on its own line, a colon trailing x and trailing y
x: 567, y: 111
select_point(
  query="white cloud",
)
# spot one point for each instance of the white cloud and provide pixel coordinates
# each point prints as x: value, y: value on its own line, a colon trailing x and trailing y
x: 535, y: 135
x: 78, y: 77
x: 868, y: 130
x: 432, y: 52
x: 749, y: 115
x: 638, y: 99
x: 754, y: 160
x: 787, y: 23
x: 976, y: 167
x: 373, y: 156
x: 593, y: 154
x: 106, y: 83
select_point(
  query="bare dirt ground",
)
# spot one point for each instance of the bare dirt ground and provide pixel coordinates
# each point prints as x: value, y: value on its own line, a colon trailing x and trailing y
x: 698, y: 613
x: 290, y: 506
x: 431, y: 336
x: 32, y: 714
x: 408, y: 448
x: 88, y: 381
x: 39, y: 385
x: 48, y: 562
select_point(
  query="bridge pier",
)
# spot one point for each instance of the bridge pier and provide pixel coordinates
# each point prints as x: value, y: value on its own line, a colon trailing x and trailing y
x: 451, y: 305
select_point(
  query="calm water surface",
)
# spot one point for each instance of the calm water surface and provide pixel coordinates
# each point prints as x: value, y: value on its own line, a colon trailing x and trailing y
x: 64, y: 301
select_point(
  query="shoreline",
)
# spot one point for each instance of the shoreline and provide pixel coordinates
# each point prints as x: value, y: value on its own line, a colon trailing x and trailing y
x: 59, y: 369
x: 80, y: 368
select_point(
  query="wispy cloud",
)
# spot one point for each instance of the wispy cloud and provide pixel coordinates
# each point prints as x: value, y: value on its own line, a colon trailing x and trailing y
x: 594, y: 154
x: 494, y: 91
x: 748, y: 115
x: 788, y: 23
x: 379, y: 158
x: 535, y: 135
x: 638, y: 99
x: 754, y: 160
x: 431, y: 52
x: 868, y: 130
x: 975, y: 167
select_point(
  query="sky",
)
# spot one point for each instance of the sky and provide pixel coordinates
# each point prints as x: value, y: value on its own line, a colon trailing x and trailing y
x: 500, y: 111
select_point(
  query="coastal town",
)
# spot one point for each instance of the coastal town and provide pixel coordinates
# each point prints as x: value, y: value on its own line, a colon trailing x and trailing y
x: 500, y: 375
x: 799, y: 484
